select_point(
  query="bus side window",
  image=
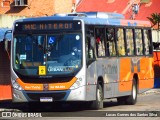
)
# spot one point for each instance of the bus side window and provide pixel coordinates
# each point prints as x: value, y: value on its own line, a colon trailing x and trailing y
x: 130, y: 43
x: 100, y: 38
x: 110, y: 42
x: 138, y: 38
x: 146, y: 42
x: 120, y: 42
x: 90, y: 44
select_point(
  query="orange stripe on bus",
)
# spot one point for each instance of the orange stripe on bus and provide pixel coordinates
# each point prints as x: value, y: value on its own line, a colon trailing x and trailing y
x: 62, y: 86
x: 52, y: 86
x: 30, y: 86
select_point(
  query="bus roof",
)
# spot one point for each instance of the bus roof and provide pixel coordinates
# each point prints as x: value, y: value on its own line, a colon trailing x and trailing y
x: 92, y: 18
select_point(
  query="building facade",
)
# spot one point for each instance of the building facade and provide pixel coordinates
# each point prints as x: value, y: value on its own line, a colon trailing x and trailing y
x: 34, y: 8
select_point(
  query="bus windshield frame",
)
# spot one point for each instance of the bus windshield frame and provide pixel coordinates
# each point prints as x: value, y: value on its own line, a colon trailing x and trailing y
x: 42, y: 52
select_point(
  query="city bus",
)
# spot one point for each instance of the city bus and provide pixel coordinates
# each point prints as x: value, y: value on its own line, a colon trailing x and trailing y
x: 81, y: 57
x: 5, y: 82
x: 156, y: 57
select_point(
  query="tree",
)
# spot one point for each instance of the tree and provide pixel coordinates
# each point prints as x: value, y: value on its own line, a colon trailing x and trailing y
x: 155, y: 20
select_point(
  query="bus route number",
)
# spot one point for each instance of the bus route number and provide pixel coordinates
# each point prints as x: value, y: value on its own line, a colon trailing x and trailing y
x: 58, y: 87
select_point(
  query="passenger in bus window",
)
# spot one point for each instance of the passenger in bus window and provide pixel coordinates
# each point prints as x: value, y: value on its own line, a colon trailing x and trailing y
x: 100, y: 45
x: 90, y: 45
x: 40, y: 42
x: 128, y: 47
x: 111, y: 42
x: 112, y: 49
x: 139, y: 47
x: 146, y: 42
x: 130, y: 43
x: 120, y: 43
x: 75, y: 53
x: 28, y: 48
x: 100, y: 42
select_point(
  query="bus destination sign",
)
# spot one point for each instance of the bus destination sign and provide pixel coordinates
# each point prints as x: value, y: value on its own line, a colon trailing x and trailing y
x: 49, y: 26
x: 42, y: 26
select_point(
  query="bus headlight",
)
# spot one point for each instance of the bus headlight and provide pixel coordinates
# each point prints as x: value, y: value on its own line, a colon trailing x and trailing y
x: 16, y: 85
x: 77, y: 84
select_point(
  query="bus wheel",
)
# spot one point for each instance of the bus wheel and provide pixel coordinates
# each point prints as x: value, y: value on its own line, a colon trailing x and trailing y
x: 121, y: 100
x: 98, y: 103
x: 132, y: 99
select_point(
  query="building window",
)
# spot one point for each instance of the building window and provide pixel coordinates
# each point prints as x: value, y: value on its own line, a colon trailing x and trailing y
x: 6, y: 3
x: 21, y: 2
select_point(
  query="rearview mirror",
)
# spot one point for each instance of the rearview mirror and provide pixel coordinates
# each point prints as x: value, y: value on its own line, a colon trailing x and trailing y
x: 6, y: 42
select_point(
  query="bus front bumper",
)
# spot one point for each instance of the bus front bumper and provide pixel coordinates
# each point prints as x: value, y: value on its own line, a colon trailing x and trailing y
x: 65, y: 95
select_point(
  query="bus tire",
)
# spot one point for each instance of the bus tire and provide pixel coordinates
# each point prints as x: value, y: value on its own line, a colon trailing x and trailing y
x: 132, y: 99
x: 121, y: 100
x: 98, y: 103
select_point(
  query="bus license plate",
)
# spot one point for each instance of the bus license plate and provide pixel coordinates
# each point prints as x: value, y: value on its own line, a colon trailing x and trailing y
x: 46, y: 99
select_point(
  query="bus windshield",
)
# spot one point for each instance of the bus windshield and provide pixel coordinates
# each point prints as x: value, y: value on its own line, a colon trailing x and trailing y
x: 58, y: 54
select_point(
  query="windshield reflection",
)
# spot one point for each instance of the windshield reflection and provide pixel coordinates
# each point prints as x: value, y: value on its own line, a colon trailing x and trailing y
x: 59, y: 53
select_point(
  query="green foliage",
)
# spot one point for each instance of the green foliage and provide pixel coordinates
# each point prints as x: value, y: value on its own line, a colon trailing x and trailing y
x: 155, y: 19
x: 145, y: 1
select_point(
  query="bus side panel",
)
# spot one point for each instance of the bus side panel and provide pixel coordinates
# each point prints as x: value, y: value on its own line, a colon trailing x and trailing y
x: 91, y: 78
x: 126, y: 76
x: 156, y: 64
x: 156, y: 69
x: 5, y: 92
x: 108, y: 70
x: 5, y: 86
x: 146, y: 75
x: 105, y: 69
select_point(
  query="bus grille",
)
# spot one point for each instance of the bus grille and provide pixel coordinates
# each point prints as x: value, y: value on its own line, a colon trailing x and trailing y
x: 55, y: 96
x: 47, y: 80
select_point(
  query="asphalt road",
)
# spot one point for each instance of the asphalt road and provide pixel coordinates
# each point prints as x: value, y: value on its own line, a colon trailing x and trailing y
x: 147, y: 107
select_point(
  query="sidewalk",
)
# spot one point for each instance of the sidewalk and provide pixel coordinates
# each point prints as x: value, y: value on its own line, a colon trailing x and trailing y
x: 151, y: 91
